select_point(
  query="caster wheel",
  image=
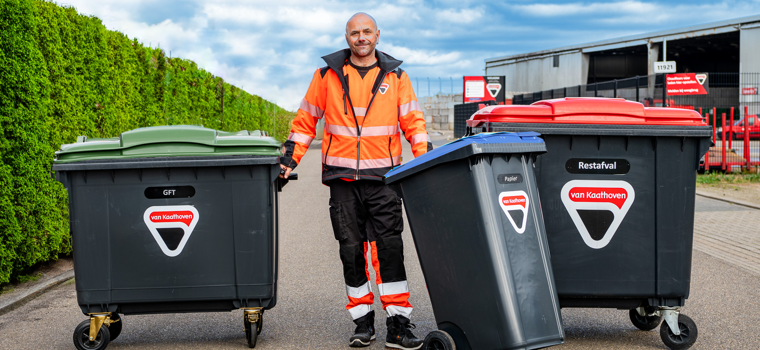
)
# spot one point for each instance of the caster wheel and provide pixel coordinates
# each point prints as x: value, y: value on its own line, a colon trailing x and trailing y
x: 252, y: 331
x: 684, y: 340
x: 644, y: 323
x: 439, y: 340
x: 115, y: 328
x: 82, y: 337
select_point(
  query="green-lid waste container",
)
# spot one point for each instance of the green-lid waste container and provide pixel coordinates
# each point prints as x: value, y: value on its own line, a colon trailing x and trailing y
x: 475, y: 216
x: 171, y: 219
x: 617, y: 188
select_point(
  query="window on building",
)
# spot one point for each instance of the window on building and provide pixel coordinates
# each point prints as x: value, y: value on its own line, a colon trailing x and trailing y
x: 556, y: 60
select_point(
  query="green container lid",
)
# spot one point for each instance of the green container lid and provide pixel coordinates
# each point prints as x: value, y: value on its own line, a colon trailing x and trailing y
x: 170, y: 141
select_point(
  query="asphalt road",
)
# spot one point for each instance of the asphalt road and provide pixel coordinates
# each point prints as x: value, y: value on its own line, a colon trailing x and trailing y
x: 310, y: 313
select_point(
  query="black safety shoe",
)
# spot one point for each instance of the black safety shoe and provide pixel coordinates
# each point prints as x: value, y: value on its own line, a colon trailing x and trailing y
x: 400, y: 334
x: 364, y: 332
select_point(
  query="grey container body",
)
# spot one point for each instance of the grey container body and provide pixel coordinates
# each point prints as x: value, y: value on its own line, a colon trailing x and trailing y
x: 647, y: 260
x: 491, y: 287
x: 229, y: 260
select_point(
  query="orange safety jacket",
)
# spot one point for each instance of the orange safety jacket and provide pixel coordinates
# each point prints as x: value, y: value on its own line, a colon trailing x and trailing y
x: 361, y: 139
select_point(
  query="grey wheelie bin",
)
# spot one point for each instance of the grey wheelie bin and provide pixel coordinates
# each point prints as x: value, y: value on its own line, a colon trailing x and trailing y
x: 476, y: 220
x: 617, y: 186
x: 169, y: 220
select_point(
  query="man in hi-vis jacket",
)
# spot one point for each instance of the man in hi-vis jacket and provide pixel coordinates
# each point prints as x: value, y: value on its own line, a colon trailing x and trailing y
x: 366, y: 101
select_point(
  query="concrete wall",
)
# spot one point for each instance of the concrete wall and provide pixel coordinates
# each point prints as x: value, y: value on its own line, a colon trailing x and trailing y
x: 439, y: 110
x: 537, y: 74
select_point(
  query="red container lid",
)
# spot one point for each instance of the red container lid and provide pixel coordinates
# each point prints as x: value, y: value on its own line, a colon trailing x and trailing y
x: 586, y: 110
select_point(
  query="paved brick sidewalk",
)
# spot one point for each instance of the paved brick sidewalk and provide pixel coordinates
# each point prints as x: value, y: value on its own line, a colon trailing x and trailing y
x: 728, y: 232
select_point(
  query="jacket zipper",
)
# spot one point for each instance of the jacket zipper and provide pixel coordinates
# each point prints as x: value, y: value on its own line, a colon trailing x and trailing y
x: 359, y: 129
x: 328, y: 147
x: 389, y: 151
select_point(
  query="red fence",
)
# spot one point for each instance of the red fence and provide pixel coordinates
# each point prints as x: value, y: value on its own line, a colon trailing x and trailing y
x: 737, y: 141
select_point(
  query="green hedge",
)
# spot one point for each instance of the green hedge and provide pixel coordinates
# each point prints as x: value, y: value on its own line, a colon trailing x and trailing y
x: 63, y: 74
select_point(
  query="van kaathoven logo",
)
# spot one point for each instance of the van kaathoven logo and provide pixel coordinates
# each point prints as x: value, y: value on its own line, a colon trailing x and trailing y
x: 597, y: 208
x: 515, y: 206
x: 171, y: 226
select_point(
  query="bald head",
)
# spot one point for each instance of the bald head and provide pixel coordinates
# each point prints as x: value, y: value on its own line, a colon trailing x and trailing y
x: 362, y: 36
x: 360, y: 17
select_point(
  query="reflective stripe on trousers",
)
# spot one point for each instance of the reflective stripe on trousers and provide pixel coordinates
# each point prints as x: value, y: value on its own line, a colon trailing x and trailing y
x: 366, y: 219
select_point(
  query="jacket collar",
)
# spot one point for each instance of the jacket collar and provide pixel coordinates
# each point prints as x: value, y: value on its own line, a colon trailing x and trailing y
x: 337, y: 59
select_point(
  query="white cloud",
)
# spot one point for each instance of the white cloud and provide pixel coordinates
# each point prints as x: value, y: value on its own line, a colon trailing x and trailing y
x: 553, y: 10
x: 421, y: 57
x: 271, y: 48
x: 461, y: 16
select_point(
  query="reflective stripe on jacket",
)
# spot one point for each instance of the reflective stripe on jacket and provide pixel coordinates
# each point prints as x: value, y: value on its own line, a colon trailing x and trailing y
x: 361, y: 138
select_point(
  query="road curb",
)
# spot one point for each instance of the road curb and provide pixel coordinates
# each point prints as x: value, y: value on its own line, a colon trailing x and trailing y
x: 728, y: 200
x: 19, y: 300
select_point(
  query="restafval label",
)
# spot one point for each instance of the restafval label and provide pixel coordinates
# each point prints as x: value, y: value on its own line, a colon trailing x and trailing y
x: 597, y: 208
x: 171, y: 226
x: 515, y: 206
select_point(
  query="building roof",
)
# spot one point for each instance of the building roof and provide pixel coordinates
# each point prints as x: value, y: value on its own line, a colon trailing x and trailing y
x: 730, y: 25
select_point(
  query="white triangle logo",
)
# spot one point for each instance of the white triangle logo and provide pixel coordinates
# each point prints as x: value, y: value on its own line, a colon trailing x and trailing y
x: 493, y: 89
x: 514, y: 202
x: 597, y: 208
x: 701, y: 78
x: 171, y: 226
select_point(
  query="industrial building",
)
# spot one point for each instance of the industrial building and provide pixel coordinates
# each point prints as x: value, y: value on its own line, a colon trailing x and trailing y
x: 729, y: 50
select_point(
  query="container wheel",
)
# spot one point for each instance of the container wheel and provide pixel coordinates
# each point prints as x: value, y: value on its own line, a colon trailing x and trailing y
x: 252, y: 333
x: 644, y: 323
x: 115, y: 327
x: 684, y: 340
x: 82, y: 337
x: 439, y: 340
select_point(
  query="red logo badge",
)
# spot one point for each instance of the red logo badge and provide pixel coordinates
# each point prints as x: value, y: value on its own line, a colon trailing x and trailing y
x: 493, y: 89
x: 597, y: 208
x: 383, y: 88
x: 171, y: 226
x: 515, y: 206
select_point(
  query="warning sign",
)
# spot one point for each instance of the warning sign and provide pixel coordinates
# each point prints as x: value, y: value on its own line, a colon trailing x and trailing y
x: 515, y: 206
x: 484, y: 88
x: 597, y: 207
x: 686, y: 84
x: 171, y: 226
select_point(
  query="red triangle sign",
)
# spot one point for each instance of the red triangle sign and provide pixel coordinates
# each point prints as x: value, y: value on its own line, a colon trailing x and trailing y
x: 493, y: 89
x: 701, y: 78
x: 512, y: 202
x: 597, y: 208
x: 171, y: 226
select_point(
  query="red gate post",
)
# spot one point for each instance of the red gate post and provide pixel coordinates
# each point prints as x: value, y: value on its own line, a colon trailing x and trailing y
x: 723, y: 143
x: 707, y: 155
x: 715, y: 127
x: 746, y: 136
x: 731, y: 130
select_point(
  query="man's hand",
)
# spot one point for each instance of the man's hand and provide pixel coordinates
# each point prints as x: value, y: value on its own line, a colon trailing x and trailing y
x: 285, y: 172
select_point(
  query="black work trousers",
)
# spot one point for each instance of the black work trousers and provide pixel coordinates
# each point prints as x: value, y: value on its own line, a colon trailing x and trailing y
x: 366, y: 217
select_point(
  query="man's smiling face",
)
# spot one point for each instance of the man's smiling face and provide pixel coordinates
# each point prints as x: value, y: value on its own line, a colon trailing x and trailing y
x: 362, y: 35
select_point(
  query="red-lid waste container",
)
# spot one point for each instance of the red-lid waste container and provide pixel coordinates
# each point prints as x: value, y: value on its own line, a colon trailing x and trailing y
x: 617, y: 188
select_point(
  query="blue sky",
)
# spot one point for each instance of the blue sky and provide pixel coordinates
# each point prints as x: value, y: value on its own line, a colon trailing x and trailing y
x: 271, y: 48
